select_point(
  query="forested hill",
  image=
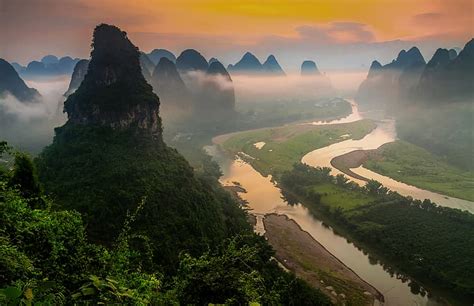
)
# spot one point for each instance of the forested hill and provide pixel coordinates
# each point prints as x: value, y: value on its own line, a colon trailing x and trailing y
x: 110, y: 156
x: 118, y: 217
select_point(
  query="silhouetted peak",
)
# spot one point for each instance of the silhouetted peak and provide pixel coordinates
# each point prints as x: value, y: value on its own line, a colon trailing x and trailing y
x: 468, y: 48
x: 249, y: 57
x: 11, y: 82
x: 114, y: 92
x: 375, y: 67
x: 441, y: 57
x: 271, y: 66
x: 191, y: 60
x: 212, y: 60
x: 157, y: 54
x: 50, y: 59
x: 309, y: 68
x: 249, y: 64
x: 410, y: 57
x: 452, y: 54
x: 216, y: 68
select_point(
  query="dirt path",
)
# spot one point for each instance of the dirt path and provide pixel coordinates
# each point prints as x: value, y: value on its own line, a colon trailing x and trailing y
x: 309, y: 260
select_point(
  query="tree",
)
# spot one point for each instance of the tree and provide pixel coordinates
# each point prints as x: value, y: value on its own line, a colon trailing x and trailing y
x: 341, y: 180
x: 25, y: 178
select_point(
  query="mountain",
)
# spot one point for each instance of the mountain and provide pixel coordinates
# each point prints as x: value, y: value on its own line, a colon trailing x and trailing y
x: 212, y: 60
x: 157, y: 54
x: 19, y: 68
x: 448, y: 79
x: 191, y: 60
x: 249, y: 64
x: 374, y: 69
x: 167, y: 83
x: 109, y: 159
x: 49, y: 66
x: 147, y: 66
x: 390, y: 86
x: 309, y: 68
x: 11, y: 82
x: 80, y: 71
x: 217, y: 97
x: 452, y: 54
x: 272, y: 67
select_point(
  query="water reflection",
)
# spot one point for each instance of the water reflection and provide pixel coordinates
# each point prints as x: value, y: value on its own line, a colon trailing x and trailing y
x: 264, y: 197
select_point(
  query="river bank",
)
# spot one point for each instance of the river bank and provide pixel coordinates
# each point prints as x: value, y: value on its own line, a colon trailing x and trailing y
x: 298, y: 251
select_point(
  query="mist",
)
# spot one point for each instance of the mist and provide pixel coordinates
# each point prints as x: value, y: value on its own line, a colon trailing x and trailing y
x: 30, y: 126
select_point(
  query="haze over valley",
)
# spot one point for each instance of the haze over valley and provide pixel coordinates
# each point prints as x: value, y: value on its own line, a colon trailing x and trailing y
x: 237, y: 153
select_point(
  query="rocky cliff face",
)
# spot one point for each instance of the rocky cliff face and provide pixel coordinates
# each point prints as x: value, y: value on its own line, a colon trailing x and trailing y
x: 114, y: 92
x: 80, y: 71
x: 10, y: 82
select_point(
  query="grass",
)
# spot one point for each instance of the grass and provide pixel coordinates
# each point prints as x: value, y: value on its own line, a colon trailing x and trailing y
x: 416, y: 166
x: 286, y: 145
x: 338, y: 197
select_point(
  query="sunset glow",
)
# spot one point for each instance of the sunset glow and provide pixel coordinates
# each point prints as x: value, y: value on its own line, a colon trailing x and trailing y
x: 177, y: 24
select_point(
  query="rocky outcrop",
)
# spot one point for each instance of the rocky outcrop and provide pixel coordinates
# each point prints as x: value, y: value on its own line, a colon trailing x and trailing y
x: 191, y: 60
x: 114, y: 92
x: 10, y: 82
x: 309, y: 68
x: 272, y: 67
x: 80, y: 71
x: 156, y: 55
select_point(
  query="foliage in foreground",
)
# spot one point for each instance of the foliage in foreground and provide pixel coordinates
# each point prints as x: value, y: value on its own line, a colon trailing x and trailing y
x: 45, y: 257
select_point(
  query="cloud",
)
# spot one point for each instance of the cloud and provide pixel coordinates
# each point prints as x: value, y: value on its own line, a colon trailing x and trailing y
x: 337, y: 32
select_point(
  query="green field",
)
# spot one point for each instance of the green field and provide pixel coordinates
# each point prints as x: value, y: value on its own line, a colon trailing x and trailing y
x: 416, y: 166
x: 334, y: 197
x: 286, y: 145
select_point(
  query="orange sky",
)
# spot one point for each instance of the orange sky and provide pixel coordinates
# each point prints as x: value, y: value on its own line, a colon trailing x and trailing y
x: 64, y: 26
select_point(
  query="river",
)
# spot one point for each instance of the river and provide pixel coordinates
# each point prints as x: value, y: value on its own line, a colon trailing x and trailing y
x: 384, y: 132
x: 264, y: 197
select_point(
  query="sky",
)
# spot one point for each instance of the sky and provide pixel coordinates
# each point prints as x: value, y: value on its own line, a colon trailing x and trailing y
x: 337, y: 34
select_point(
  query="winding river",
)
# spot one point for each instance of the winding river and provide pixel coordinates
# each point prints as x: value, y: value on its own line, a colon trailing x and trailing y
x: 264, y: 197
x: 383, y: 133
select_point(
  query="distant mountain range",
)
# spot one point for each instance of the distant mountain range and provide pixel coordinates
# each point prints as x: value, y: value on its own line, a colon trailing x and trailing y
x: 409, y: 79
x: 250, y: 65
x: 49, y: 66
x: 11, y: 82
x: 156, y: 55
